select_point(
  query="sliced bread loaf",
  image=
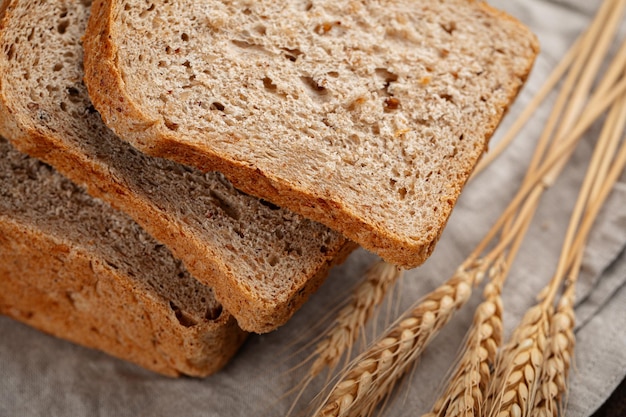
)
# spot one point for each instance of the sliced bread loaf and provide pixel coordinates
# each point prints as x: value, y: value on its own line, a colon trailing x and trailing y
x: 263, y: 261
x: 365, y: 116
x: 74, y: 267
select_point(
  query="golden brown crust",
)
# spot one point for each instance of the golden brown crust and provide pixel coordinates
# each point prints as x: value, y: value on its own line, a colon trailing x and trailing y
x: 59, y: 288
x: 107, y: 89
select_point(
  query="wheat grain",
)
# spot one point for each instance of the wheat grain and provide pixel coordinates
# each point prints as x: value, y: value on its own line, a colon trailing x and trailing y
x: 373, y: 375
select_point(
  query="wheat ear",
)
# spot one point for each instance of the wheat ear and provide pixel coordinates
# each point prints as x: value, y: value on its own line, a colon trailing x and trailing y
x: 337, y: 340
x: 467, y: 386
x: 518, y: 367
x: 373, y: 375
x: 553, y: 384
x: 353, y: 317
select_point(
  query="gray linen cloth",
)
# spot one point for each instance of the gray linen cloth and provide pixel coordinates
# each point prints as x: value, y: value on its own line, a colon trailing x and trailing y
x: 43, y: 376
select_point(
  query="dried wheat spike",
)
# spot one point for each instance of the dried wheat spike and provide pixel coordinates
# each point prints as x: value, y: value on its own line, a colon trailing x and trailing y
x: 518, y: 367
x: 353, y: 317
x: 373, y: 374
x: 467, y: 387
x: 553, y: 385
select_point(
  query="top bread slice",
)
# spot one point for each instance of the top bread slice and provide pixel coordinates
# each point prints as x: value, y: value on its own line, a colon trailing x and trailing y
x: 75, y: 267
x: 262, y: 261
x: 365, y: 116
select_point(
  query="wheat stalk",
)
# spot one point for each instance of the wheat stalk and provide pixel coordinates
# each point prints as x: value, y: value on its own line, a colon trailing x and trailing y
x: 374, y: 373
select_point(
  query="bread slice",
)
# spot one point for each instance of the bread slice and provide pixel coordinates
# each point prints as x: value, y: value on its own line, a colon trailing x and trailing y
x: 365, y: 116
x: 262, y: 261
x: 74, y: 267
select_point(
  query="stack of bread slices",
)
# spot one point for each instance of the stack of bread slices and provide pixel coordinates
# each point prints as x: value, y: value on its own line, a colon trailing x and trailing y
x: 177, y: 174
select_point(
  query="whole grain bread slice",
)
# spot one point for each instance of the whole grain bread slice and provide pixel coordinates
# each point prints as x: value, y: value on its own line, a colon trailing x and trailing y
x: 75, y: 267
x: 263, y: 261
x: 365, y: 116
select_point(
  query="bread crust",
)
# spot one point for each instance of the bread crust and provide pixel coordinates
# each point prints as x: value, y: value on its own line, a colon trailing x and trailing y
x: 108, y: 91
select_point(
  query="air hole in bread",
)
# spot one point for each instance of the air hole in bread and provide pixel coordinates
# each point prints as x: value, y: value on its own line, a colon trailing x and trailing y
x: 269, y: 84
x: 313, y: 86
x: 10, y: 52
x: 291, y: 250
x: 183, y: 318
x: 62, y: 27
x: 273, y: 260
x: 225, y: 205
x: 145, y: 12
x: 217, y: 106
x: 292, y: 54
x: 184, y: 37
x: 214, y: 313
x: 447, y: 97
x: 449, y: 27
x: 387, y: 77
x: 271, y: 206
x: 260, y: 29
x: 57, y: 67
x: 402, y: 192
x: 245, y: 44
x: 74, y: 94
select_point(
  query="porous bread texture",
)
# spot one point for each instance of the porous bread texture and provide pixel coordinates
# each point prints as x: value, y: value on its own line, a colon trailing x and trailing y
x: 366, y: 116
x: 262, y: 261
x: 74, y: 267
